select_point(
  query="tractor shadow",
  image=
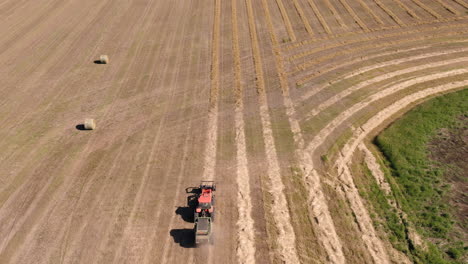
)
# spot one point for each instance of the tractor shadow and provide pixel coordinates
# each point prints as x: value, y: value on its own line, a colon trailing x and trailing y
x: 98, y: 62
x: 184, y: 237
x: 187, y: 212
x: 80, y: 127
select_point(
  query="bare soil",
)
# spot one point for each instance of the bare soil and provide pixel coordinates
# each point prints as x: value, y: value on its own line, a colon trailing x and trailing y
x: 450, y: 148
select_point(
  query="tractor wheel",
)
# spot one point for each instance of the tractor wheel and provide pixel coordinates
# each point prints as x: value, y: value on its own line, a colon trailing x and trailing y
x: 212, y: 216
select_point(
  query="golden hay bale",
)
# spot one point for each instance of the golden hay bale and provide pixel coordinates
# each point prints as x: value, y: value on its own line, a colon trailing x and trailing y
x: 89, y: 124
x: 104, y: 59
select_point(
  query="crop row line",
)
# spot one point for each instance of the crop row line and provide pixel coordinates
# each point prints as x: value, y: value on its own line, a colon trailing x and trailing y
x: 314, y: 40
x: 448, y: 8
x: 286, y: 240
x: 407, y: 9
x: 427, y: 9
x: 246, y: 241
x: 286, y: 20
x: 355, y: 17
x: 358, y: 40
x: 462, y: 3
x: 303, y: 18
x: 319, y: 16
x: 390, y: 13
x: 317, y: 209
x: 369, y: 10
x: 335, y: 14
x: 372, y: 45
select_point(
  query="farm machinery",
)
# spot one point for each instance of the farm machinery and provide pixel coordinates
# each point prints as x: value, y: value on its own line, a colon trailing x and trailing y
x: 204, y: 212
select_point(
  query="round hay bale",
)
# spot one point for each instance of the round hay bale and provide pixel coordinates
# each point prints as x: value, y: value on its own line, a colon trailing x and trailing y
x: 89, y: 124
x: 104, y: 59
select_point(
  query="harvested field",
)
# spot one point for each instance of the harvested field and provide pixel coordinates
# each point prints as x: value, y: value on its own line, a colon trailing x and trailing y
x: 271, y: 99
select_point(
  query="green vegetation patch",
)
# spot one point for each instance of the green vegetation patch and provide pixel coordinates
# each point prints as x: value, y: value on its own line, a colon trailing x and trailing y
x: 423, y: 188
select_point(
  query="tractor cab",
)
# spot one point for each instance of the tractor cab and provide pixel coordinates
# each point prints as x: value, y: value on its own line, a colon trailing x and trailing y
x: 205, y: 200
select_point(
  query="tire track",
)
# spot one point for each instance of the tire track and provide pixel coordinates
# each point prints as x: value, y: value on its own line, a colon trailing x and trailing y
x: 16, y: 191
x: 131, y: 241
x: 318, y: 208
x: 280, y: 212
x: 166, y: 256
x: 70, y: 238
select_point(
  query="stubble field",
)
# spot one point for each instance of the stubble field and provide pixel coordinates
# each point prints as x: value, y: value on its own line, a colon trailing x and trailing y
x: 271, y: 99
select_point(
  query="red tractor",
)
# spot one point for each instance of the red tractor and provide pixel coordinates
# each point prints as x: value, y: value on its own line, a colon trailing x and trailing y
x: 205, y: 200
x: 204, y: 212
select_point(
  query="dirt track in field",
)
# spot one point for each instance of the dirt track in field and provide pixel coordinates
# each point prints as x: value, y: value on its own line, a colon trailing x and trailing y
x: 268, y: 98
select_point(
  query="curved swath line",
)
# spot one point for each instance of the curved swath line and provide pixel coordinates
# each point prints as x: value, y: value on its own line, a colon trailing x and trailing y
x: 318, y: 207
x: 325, y: 132
x: 386, y: 114
x: 246, y: 243
x: 311, y: 93
x: 286, y: 237
x: 370, y: 237
x: 334, y: 99
x: 303, y: 67
x: 360, y: 59
x: 360, y: 38
x: 330, y: 57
